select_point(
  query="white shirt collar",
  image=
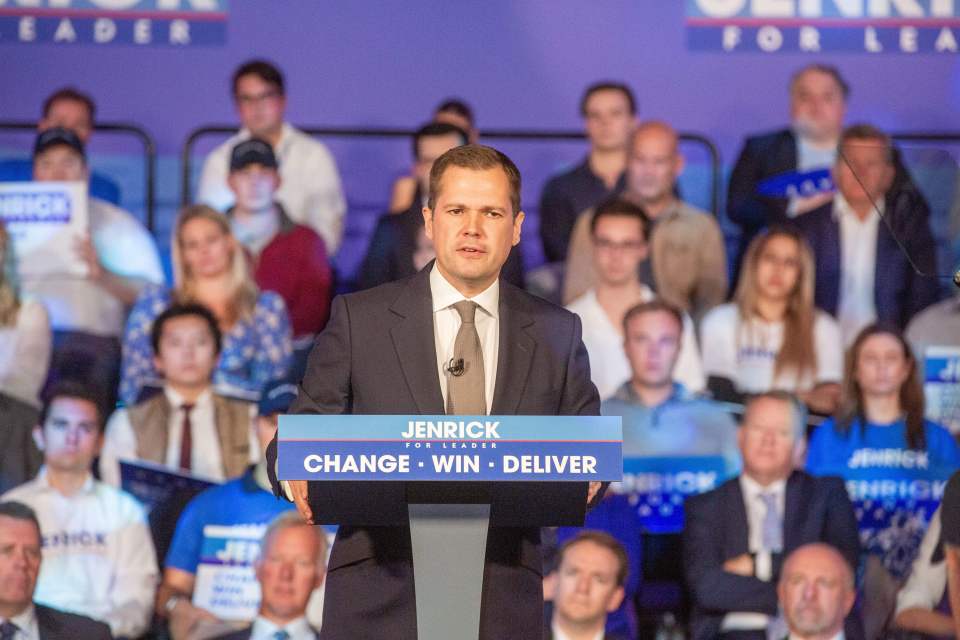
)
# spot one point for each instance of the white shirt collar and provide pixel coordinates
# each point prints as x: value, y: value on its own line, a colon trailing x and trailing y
x: 752, y: 488
x: 44, y: 481
x: 840, y: 636
x: 842, y: 209
x: 263, y: 628
x: 558, y: 633
x: 26, y: 621
x: 445, y: 294
x: 176, y: 400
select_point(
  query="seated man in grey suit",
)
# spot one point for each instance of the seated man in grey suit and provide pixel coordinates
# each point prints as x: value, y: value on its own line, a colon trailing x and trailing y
x: 736, y: 536
x: 291, y: 565
x: 816, y: 592
x: 399, y: 348
x: 20, y: 618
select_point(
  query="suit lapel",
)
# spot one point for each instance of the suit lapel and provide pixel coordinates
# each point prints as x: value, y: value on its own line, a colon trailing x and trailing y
x: 795, y: 509
x: 514, y: 353
x: 738, y: 538
x: 413, y: 340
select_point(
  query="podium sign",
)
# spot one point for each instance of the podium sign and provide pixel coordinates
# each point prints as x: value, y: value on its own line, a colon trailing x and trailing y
x: 460, y: 448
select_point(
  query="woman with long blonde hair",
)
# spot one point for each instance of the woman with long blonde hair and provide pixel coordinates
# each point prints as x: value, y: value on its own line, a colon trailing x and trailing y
x: 210, y: 268
x: 25, y: 338
x: 771, y: 337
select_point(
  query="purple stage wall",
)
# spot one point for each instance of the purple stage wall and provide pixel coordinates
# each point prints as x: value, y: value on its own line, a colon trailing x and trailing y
x: 520, y: 64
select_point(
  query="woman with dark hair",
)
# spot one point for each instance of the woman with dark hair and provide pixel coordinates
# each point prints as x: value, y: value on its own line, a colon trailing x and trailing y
x: 892, y: 458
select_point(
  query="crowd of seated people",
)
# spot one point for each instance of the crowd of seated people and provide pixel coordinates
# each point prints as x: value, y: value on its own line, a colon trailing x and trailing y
x: 797, y: 389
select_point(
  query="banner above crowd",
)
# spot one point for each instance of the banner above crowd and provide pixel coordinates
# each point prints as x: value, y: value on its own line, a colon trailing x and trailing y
x: 815, y: 26
x: 105, y: 22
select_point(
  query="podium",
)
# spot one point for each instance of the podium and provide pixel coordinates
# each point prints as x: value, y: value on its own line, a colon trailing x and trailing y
x: 449, y: 478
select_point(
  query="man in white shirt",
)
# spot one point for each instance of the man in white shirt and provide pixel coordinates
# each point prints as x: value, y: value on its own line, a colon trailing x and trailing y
x: 20, y: 560
x: 619, y: 230
x: 816, y: 592
x: 591, y: 572
x: 87, y: 313
x: 310, y: 190
x: 98, y: 557
x: 186, y: 427
x: 290, y: 567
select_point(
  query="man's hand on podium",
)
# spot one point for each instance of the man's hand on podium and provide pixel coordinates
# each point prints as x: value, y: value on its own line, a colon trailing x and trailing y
x: 299, y: 490
x: 592, y: 491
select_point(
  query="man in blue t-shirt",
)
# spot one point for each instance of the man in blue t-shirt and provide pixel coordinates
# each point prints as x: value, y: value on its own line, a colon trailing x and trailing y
x: 245, y: 502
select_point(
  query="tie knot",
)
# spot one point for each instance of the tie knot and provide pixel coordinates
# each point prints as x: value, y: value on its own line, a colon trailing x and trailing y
x: 187, y: 407
x: 769, y: 499
x: 281, y: 634
x: 467, y: 311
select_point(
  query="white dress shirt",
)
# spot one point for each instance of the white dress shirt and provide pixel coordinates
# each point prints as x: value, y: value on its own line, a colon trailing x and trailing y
x: 206, y: 461
x: 858, y: 264
x: 299, y: 629
x: 558, y: 633
x: 763, y: 565
x: 26, y: 622
x: 98, y: 556
x: 446, y: 324
x: 840, y: 636
x: 609, y: 367
x: 309, y: 190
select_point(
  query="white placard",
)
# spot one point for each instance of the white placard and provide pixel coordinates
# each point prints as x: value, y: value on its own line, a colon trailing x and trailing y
x: 44, y: 220
x: 226, y: 585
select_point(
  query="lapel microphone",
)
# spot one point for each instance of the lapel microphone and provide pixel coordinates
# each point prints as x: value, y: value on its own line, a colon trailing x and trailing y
x: 455, y: 367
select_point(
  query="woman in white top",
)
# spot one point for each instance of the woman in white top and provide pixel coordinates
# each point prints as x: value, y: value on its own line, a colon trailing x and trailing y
x: 771, y: 336
x: 25, y: 339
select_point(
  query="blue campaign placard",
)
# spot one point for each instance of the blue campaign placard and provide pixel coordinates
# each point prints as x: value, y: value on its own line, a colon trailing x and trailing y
x: 657, y: 486
x: 463, y: 448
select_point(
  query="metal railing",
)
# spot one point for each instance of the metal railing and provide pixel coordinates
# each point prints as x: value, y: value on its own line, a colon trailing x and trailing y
x: 186, y: 154
x: 149, y: 155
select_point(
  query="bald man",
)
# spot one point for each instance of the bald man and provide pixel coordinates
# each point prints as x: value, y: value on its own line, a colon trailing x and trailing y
x: 687, y: 264
x: 816, y: 592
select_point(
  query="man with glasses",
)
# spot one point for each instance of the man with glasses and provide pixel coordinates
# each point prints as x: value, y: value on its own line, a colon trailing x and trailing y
x: 310, y: 188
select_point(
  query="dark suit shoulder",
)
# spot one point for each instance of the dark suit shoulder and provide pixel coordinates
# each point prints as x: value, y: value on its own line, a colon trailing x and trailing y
x: 770, y: 140
x: 533, y: 305
x: 715, y: 496
x: 54, y: 625
x: 815, y: 218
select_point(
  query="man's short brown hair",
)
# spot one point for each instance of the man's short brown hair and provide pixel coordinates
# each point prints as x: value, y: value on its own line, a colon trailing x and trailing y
x: 601, y: 539
x: 863, y: 131
x: 478, y: 158
x: 657, y: 305
x: 70, y: 94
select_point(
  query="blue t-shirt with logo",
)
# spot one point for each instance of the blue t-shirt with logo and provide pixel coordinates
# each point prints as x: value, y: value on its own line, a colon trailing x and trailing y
x: 895, y: 490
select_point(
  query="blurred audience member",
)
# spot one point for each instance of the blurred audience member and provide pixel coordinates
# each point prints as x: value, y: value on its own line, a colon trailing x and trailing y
x: 771, y: 336
x: 865, y: 266
x: 187, y: 426
x: 310, y: 191
x: 609, y: 112
x: 209, y: 268
x: 588, y: 585
x: 241, y: 503
x: 98, y: 558
x: 950, y: 523
x: 922, y: 603
x: 290, y: 568
x: 660, y: 416
x: 408, y: 191
x: 20, y: 562
x: 687, y: 265
x: 288, y: 258
x: 934, y: 336
x: 399, y: 247
x: 816, y: 592
x: 737, y: 535
x: 880, y: 437
x: 87, y: 313
x: 70, y: 109
x: 619, y: 231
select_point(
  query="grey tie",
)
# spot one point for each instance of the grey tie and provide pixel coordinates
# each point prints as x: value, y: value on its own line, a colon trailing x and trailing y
x: 771, y: 528
x: 466, y: 395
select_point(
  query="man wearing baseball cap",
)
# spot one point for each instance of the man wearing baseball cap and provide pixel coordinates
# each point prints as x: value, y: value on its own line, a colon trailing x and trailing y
x: 87, y: 313
x: 289, y: 259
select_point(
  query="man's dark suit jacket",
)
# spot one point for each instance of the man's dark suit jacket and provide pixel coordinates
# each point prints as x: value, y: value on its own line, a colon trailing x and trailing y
x: 394, y: 242
x: 59, y: 625
x: 377, y: 355
x: 20, y: 459
x: 716, y: 530
x: 899, y: 292
x: 772, y: 154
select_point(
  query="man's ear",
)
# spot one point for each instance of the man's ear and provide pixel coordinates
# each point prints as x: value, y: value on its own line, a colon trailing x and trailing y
x: 615, y: 599
x: 38, y: 437
x: 427, y: 213
x: 517, y: 225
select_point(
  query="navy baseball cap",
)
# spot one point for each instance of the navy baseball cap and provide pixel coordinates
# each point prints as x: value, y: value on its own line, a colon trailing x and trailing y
x: 56, y: 137
x: 252, y: 151
x: 277, y: 398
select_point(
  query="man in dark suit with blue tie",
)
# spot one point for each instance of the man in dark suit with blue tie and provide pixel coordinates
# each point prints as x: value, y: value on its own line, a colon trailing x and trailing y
x: 19, y: 567
x: 389, y: 350
x: 736, y: 536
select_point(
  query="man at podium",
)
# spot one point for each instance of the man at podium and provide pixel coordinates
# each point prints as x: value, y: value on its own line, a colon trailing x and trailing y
x: 451, y: 339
